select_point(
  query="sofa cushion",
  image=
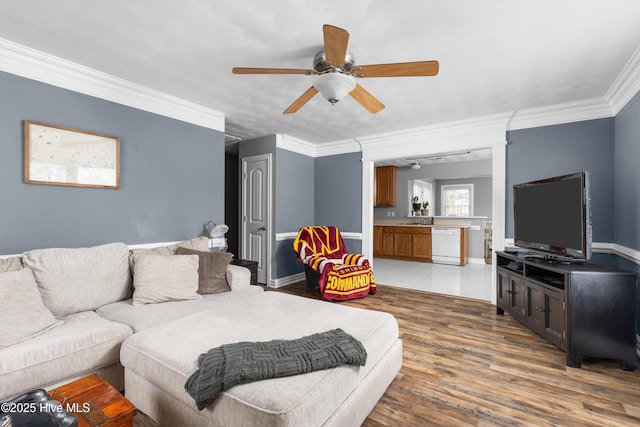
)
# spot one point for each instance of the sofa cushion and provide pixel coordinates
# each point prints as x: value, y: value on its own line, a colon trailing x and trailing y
x: 23, y: 312
x: 160, y: 278
x: 82, y: 344
x: 212, y: 270
x: 10, y: 264
x: 308, y: 399
x: 140, y: 317
x: 75, y: 280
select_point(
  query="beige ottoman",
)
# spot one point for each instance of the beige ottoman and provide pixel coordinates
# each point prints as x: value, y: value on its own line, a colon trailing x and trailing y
x: 159, y: 360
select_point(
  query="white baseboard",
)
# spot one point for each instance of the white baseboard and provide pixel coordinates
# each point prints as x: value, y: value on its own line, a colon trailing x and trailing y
x: 284, y: 281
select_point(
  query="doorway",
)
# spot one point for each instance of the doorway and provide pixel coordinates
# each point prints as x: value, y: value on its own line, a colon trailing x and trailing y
x: 498, y: 166
x: 256, y: 212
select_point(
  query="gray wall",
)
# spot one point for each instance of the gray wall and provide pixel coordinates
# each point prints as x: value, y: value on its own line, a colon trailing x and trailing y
x: 561, y: 149
x: 338, y: 194
x: 627, y: 175
x: 295, y: 205
x: 172, y: 174
x: 627, y: 191
x: 315, y: 191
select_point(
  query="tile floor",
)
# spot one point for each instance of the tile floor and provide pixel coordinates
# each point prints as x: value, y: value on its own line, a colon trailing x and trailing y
x: 471, y: 281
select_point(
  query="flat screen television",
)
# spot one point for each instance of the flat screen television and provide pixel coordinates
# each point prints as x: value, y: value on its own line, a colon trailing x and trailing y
x: 553, y: 216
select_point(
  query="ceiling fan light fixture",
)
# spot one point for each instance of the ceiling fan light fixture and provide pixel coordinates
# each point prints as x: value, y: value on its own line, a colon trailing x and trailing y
x: 334, y: 85
x: 415, y: 165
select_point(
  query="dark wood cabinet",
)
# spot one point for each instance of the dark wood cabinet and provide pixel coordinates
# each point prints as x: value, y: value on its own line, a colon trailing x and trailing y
x: 585, y: 309
x: 385, y: 186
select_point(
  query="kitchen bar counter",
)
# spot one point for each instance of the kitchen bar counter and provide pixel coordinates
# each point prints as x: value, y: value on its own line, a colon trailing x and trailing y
x: 423, y: 225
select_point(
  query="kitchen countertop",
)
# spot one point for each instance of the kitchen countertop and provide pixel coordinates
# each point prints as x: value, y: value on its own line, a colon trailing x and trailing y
x: 422, y: 225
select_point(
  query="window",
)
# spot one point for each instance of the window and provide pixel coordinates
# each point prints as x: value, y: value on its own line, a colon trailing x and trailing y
x: 422, y: 190
x: 457, y: 200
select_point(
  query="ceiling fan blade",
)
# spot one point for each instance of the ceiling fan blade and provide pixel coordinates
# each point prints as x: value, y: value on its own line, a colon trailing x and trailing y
x: 304, y: 98
x: 400, y: 69
x: 244, y: 70
x: 367, y: 100
x: 335, y: 44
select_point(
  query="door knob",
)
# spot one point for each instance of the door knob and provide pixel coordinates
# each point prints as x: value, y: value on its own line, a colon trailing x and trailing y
x: 263, y: 228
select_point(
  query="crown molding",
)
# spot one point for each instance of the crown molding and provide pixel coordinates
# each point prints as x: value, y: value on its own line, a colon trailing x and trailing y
x: 30, y: 63
x: 626, y: 85
x: 590, y: 109
x: 342, y: 146
x: 476, y: 133
x: 294, y: 144
x: 36, y: 65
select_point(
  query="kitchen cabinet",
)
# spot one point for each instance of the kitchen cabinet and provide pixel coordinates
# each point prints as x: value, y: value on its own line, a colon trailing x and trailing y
x: 402, y: 246
x: 383, y: 241
x: 385, y: 186
x: 421, y: 246
x: 409, y: 243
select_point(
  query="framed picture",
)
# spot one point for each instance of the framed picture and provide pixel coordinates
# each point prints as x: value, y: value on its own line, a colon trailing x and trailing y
x: 56, y: 155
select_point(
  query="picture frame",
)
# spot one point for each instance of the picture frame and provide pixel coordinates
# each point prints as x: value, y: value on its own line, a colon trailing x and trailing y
x: 57, y: 155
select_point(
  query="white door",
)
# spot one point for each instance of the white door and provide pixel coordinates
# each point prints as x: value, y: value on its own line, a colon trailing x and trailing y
x: 256, y: 212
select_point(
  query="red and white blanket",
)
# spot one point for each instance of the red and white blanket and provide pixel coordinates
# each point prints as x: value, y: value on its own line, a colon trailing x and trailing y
x: 342, y: 275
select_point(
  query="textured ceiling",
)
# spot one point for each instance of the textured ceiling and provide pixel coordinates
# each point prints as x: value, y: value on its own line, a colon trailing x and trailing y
x: 495, y: 56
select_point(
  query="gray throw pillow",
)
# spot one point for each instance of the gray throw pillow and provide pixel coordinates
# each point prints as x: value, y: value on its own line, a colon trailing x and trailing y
x: 24, y: 314
x: 212, y: 271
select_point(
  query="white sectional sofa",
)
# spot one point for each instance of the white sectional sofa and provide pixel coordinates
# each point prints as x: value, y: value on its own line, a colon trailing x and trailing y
x: 150, y: 349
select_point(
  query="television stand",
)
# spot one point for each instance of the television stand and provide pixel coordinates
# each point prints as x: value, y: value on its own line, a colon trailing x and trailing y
x: 585, y: 309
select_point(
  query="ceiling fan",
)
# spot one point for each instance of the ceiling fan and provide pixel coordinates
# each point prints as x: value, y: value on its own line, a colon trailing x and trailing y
x: 336, y: 73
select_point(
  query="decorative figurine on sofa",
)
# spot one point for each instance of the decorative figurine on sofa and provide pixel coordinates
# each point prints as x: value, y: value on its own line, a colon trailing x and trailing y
x: 328, y: 266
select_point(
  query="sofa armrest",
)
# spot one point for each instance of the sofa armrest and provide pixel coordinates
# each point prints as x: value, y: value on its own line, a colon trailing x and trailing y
x: 238, y: 277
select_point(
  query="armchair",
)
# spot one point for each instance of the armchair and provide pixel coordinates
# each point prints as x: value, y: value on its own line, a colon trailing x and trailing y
x: 338, y: 274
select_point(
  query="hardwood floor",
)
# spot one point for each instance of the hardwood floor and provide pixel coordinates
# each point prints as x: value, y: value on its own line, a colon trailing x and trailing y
x: 464, y: 365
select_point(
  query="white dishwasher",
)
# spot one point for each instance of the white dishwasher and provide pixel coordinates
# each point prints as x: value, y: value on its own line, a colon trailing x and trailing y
x: 445, y: 245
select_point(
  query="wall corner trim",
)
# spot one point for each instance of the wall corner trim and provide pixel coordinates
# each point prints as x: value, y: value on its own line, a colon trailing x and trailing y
x: 43, y: 67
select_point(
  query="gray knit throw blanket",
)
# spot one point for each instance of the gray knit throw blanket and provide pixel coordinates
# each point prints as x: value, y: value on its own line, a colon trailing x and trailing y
x: 223, y: 367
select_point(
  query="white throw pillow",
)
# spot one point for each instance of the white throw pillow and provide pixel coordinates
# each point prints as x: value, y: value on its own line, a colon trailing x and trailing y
x: 22, y: 310
x: 10, y: 264
x: 161, y: 278
x: 72, y: 280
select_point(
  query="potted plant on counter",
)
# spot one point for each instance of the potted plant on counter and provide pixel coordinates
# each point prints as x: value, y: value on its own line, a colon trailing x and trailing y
x: 416, y: 204
x: 425, y: 209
